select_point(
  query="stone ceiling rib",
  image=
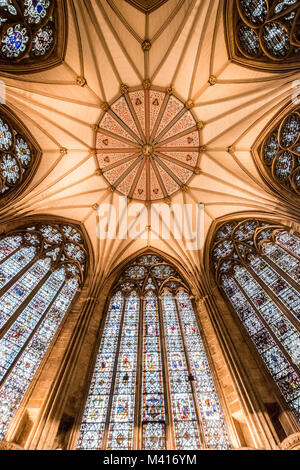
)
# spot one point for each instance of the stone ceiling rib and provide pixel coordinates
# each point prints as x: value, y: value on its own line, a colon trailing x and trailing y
x: 61, y: 107
x: 174, y: 40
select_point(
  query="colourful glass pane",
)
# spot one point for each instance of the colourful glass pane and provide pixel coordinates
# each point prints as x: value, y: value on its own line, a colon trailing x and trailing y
x: 146, y: 386
x: 94, y: 417
x: 35, y: 296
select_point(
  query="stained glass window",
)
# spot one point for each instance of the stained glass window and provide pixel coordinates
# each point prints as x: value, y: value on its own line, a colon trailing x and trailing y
x: 152, y: 387
x: 41, y: 269
x: 266, y: 33
x: 257, y: 266
x: 29, y: 31
x: 18, y: 155
x: 279, y: 152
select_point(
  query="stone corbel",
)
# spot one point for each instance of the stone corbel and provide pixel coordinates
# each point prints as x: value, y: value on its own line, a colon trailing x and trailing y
x: 292, y: 442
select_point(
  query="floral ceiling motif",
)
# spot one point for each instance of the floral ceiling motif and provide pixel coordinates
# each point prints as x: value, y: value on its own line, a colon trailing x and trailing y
x: 148, y: 144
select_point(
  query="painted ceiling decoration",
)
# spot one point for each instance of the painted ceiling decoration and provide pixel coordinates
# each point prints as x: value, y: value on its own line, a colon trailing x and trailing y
x: 32, y: 33
x: 98, y: 130
x: 264, y: 34
x: 148, y: 143
x: 279, y: 153
x: 146, y: 5
x: 19, y: 155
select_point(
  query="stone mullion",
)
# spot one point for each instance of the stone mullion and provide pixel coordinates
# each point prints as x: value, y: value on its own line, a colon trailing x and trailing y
x: 280, y: 271
x: 170, y: 429
x: 193, y: 387
x: 18, y: 275
x: 271, y: 333
x: 25, y: 304
x: 285, y: 248
x: 211, y: 365
x: 252, y: 406
x: 12, y: 253
x: 112, y: 387
x: 275, y: 299
x: 32, y: 334
x: 50, y: 413
x: 137, y: 433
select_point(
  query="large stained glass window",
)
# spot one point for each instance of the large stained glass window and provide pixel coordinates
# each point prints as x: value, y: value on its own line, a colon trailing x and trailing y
x: 257, y: 265
x: 152, y: 387
x: 18, y: 155
x: 30, y: 33
x: 266, y: 33
x: 279, y: 152
x: 41, y: 269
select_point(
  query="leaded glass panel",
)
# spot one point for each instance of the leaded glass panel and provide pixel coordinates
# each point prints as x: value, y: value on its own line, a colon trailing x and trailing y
x: 152, y: 387
x: 38, y: 284
x: 260, y: 278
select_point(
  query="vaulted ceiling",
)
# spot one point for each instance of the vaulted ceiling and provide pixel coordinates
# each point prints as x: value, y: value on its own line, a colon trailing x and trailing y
x: 113, y: 47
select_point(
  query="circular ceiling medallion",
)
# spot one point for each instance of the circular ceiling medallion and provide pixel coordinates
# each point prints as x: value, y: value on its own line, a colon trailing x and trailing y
x: 148, y: 144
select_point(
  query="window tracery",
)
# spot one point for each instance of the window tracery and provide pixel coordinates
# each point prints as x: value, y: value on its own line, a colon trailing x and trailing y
x: 19, y: 155
x: 31, y: 33
x: 279, y: 152
x: 256, y: 264
x: 266, y: 34
x: 42, y: 267
x: 152, y: 387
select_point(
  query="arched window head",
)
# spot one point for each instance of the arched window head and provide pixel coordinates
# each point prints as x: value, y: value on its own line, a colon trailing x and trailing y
x: 152, y: 387
x: 278, y: 154
x: 32, y: 34
x: 19, y: 155
x: 42, y: 267
x: 257, y: 265
x: 264, y: 34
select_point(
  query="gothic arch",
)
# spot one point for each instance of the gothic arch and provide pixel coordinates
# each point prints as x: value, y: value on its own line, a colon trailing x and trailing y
x: 254, y: 262
x: 263, y: 37
x: 149, y: 282
x: 276, y: 152
x: 33, y: 35
x: 20, y: 155
x: 44, y: 264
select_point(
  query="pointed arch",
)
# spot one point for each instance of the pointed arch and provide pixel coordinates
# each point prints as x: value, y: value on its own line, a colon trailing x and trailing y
x: 276, y: 152
x: 152, y: 387
x: 20, y: 155
x: 255, y: 263
x: 263, y: 35
x: 43, y: 266
x: 33, y: 35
